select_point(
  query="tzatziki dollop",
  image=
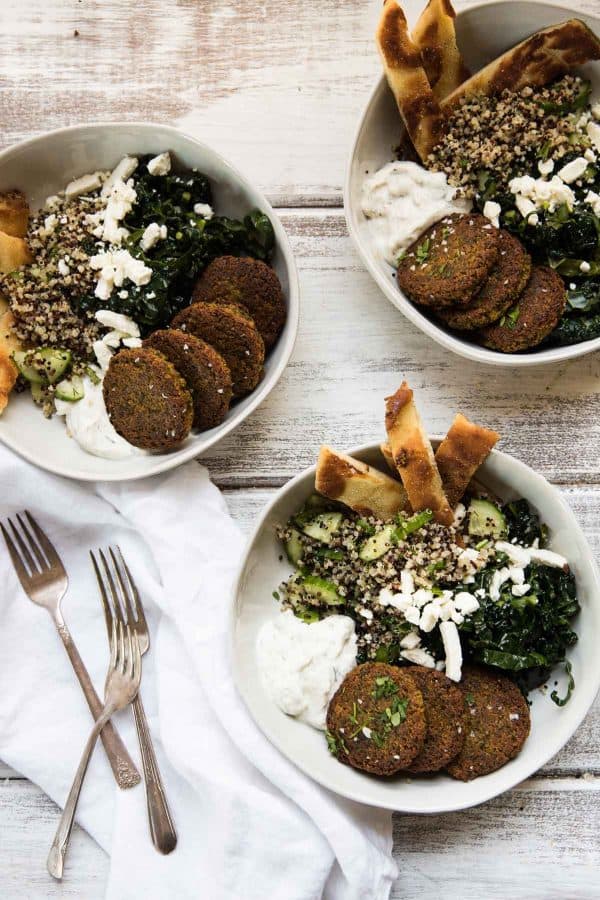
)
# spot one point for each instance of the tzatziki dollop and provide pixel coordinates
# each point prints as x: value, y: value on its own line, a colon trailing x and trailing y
x: 302, y: 665
x: 401, y: 201
x: 88, y: 423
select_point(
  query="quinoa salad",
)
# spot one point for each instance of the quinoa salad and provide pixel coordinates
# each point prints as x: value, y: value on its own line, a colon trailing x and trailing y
x: 412, y: 635
x: 518, y: 154
x: 91, y: 286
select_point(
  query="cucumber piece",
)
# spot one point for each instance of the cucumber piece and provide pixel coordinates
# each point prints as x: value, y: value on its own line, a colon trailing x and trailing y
x: 323, y: 527
x: 39, y: 393
x: 45, y: 366
x: 378, y: 544
x: 486, y: 520
x: 307, y: 614
x: 293, y: 547
x: 70, y: 389
x: 319, y: 590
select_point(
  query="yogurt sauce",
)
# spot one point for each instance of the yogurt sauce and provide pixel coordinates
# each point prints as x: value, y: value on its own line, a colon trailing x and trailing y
x: 303, y: 665
x: 401, y: 201
x: 88, y: 423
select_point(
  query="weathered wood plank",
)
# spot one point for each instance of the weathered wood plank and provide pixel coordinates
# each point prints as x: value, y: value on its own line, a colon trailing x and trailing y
x: 28, y: 820
x: 277, y: 86
x: 354, y: 348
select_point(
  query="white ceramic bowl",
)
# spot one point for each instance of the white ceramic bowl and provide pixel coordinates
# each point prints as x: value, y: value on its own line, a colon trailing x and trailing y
x: 483, y: 33
x: 263, y: 569
x: 43, y: 166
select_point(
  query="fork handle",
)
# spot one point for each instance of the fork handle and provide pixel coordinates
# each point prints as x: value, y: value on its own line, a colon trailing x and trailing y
x: 60, y: 844
x: 125, y: 772
x: 162, y: 829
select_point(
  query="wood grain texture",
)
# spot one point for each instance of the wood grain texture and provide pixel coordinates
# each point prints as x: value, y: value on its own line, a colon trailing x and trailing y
x: 278, y: 87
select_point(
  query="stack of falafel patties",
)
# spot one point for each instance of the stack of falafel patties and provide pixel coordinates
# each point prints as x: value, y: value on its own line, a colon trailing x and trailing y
x: 478, y: 278
x: 187, y: 375
x: 387, y: 719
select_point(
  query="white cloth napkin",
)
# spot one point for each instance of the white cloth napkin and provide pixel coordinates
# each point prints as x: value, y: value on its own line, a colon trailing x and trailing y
x: 250, y: 824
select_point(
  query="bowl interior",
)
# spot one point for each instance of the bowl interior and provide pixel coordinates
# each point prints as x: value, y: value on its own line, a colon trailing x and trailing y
x: 483, y: 33
x: 263, y: 570
x: 43, y: 166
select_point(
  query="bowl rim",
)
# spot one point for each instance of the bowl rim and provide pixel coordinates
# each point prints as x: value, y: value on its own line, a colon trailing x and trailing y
x: 165, y: 462
x: 393, y: 293
x: 591, y: 683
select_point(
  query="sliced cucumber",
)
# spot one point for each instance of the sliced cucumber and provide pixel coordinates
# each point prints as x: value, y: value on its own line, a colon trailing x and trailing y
x: 319, y: 590
x: 378, y: 544
x: 486, y: 520
x: 293, y: 547
x: 70, y: 389
x: 323, y: 527
x: 45, y: 366
x: 39, y: 393
x: 308, y: 615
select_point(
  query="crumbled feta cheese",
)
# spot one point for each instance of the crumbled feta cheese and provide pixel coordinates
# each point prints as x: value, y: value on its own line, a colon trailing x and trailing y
x: 594, y: 200
x: 84, y: 185
x: 115, y: 266
x: 133, y: 342
x: 590, y: 155
x: 103, y: 354
x: 50, y: 223
x: 410, y: 641
x: 469, y: 554
x: 204, y: 210
x: 548, y: 558
x: 459, y: 513
x: 422, y: 597
x: 496, y: 582
x: 124, y: 324
x: 553, y: 193
x: 593, y: 131
x: 518, y: 556
x: 366, y: 614
x: 546, y: 167
x: 412, y: 614
x: 573, y: 170
x: 524, y: 205
x: 429, y: 617
x: 113, y: 338
x: 123, y: 295
x: 122, y: 172
x: 160, y: 165
x: 152, y: 235
x: 492, y: 212
x: 367, y: 732
x: 533, y: 219
x: 63, y: 268
x: 120, y: 202
x: 465, y: 603
x: 419, y: 657
x: 519, y: 590
x: 407, y: 582
x: 452, y: 650
x: 584, y: 267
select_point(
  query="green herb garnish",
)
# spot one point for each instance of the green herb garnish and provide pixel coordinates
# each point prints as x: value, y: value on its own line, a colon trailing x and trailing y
x: 384, y: 687
x: 562, y: 701
x: 422, y: 251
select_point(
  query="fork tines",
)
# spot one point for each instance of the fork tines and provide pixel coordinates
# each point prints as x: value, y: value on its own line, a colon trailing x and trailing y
x: 117, y: 589
x: 31, y: 551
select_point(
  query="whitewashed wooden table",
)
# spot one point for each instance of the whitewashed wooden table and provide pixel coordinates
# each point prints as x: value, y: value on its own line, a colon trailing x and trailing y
x: 277, y: 87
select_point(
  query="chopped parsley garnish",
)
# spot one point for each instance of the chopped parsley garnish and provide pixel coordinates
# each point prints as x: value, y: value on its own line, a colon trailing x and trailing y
x: 470, y: 699
x: 422, y: 251
x: 384, y: 687
x: 511, y: 318
x: 562, y: 701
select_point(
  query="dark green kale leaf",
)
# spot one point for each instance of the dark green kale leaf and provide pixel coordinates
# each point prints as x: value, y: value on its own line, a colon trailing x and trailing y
x: 523, y: 524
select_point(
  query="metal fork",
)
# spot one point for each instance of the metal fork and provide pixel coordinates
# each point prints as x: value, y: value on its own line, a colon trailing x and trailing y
x: 122, y: 684
x: 44, y: 580
x: 162, y: 828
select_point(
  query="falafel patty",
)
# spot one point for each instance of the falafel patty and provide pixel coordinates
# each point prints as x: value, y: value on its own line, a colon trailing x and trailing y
x: 536, y: 313
x: 445, y: 718
x: 249, y: 282
x: 505, y: 283
x: 448, y: 264
x: 147, y: 400
x: 497, y: 723
x: 232, y: 334
x: 205, y: 371
x: 375, y: 720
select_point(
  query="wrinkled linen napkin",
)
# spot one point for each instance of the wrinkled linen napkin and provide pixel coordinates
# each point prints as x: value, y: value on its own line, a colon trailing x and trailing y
x: 250, y: 824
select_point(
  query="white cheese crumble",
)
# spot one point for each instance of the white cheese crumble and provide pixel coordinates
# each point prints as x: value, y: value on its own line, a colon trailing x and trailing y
x: 117, y: 321
x: 584, y: 266
x: 452, y: 650
x: 593, y: 131
x: 63, y: 268
x: 573, y: 170
x: 152, y: 235
x: 160, y: 165
x: 546, y: 167
x: 84, y: 185
x: 122, y: 172
x: 491, y: 211
x: 204, y: 210
x: 115, y: 267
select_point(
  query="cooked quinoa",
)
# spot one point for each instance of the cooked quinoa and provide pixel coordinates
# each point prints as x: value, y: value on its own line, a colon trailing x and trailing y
x: 41, y: 294
x: 504, y: 134
x: 433, y: 555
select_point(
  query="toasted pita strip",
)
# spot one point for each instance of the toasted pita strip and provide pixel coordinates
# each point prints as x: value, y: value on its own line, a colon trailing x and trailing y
x: 460, y: 454
x: 14, y: 213
x: 408, y: 82
x: 14, y: 252
x: 435, y: 36
x: 364, y: 489
x: 537, y: 60
x: 414, y: 457
x: 8, y: 343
